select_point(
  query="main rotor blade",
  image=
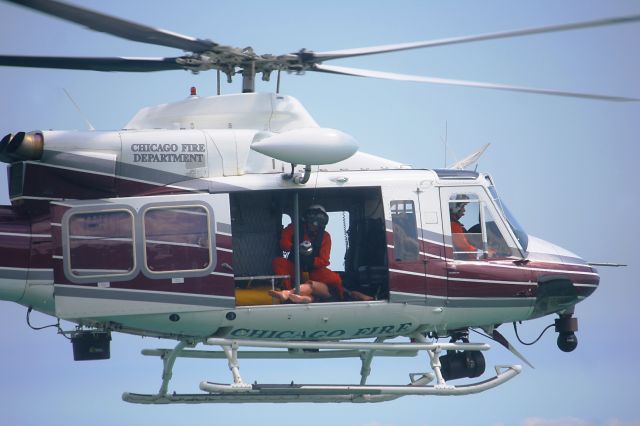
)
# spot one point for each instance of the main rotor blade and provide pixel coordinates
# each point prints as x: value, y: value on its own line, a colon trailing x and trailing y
x: 94, y: 64
x: 117, y: 26
x: 434, y: 80
x: 373, y: 50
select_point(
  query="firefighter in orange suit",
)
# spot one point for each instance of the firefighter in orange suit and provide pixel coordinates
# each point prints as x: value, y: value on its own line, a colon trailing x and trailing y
x: 458, y: 231
x: 460, y: 242
x: 315, y: 250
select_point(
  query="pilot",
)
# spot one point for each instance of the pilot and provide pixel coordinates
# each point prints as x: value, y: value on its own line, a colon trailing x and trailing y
x: 458, y: 231
x: 315, y: 250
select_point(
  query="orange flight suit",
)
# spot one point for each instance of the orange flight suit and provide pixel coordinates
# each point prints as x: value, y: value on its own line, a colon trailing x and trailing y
x: 319, y: 270
x: 460, y: 242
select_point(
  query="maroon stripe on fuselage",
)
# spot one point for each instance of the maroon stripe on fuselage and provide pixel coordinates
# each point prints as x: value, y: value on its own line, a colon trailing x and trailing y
x: 223, y: 241
x: 560, y: 266
x: 496, y: 270
x: 485, y: 289
x: 437, y: 286
x: 407, y: 283
x: 433, y: 248
x: 41, y: 251
x: 209, y: 285
x: 14, y: 251
x: 15, y: 239
x: 42, y: 180
x: 575, y: 273
x: 223, y: 257
x: 55, y: 182
x: 219, y: 285
x: 129, y: 188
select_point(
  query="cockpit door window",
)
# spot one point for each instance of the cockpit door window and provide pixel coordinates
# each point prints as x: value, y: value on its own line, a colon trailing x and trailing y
x: 475, y: 231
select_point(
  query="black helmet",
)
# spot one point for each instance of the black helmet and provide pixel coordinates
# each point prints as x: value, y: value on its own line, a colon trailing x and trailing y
x: 316, y: 215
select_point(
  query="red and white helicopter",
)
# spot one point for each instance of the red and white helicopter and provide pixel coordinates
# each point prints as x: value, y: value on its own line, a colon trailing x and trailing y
x: 169, y: 227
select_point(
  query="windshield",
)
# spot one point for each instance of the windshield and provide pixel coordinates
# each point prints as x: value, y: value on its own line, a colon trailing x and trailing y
x: 517, y: 229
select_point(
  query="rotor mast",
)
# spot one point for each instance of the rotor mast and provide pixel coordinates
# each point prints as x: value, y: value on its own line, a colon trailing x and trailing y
x: 249, y: 78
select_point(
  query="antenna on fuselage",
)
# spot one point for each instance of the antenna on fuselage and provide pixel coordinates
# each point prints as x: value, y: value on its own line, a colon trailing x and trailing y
x: 445, y: 142
x: 82, y: 115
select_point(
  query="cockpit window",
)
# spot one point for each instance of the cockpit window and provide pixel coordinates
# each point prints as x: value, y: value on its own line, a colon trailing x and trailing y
x: 497, y: 246
x: 474, y: 231
x: 517, y: 229
x: 466, y: 231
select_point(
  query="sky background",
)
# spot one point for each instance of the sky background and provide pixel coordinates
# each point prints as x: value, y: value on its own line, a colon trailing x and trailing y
x: 565, y: 166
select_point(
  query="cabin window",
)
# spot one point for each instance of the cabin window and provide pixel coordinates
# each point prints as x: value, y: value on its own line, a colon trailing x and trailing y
x: 100, y: 244
x: 177, y: 239
x: 405, y: 230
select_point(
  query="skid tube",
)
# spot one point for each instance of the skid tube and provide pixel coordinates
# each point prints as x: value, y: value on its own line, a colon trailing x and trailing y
x: 240, y: 392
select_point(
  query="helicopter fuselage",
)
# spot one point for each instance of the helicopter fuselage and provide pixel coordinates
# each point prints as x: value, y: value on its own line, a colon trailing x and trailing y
x: 172, y: 232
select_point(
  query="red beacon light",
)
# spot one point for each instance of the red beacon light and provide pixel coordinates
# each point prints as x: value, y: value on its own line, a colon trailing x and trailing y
x: 193, y: 91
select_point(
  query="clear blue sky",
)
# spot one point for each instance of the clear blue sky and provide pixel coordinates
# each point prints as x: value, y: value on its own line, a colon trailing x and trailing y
x: 566, y: 167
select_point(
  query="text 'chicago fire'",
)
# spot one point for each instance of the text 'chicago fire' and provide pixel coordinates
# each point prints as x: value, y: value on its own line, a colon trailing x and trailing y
x: 168, y: 153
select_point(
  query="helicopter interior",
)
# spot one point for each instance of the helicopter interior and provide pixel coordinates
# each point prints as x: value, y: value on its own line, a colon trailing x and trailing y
x: 258, y: 218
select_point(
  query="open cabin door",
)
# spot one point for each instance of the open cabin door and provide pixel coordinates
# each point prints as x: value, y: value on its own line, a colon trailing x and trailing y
x: 140, y: 256
x: 356, y: 229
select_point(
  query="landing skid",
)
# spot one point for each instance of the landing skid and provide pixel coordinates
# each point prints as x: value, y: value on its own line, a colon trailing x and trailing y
x: 240, y: 392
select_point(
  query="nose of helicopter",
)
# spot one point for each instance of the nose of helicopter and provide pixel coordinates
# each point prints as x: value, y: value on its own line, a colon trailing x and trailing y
x: 563, y: 277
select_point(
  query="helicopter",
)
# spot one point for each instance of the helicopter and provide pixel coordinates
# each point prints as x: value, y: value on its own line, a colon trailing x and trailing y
x: 213, y: 163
